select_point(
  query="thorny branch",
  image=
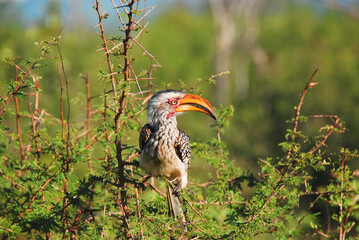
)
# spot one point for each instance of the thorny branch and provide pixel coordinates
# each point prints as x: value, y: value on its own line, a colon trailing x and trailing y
x: 105, y: 46
x: 24, y: 76
x: 121, y: 89
x: 18, y: 127
x: 66, y: 160
x: 331, y: 129
x: 309, y: 85
x: 284, y: 175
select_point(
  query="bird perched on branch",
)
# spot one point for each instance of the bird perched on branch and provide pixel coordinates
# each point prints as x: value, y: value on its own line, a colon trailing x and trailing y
x: 165, y: 149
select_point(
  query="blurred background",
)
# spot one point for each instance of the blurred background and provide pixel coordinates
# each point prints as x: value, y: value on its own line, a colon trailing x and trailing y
x: 271, y: 49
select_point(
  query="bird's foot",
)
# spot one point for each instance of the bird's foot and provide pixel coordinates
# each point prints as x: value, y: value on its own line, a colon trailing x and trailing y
x: 178, y: 188
x: 176, y: 192
x: 175, y: 187
x: 177, y: 184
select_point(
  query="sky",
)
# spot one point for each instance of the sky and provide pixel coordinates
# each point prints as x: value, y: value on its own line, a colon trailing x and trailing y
x: 76, y: 11
x: 81, y: 13
x: 72, y: 9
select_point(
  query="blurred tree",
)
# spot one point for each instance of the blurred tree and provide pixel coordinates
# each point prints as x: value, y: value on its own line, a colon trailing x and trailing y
x: 236, y: 24
x: 75, y: 17
x: 348, y: 8
x: 296, y: 39
x: 289, y: 39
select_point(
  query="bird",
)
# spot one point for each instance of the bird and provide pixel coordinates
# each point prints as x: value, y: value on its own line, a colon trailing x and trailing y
x: 165, y: 149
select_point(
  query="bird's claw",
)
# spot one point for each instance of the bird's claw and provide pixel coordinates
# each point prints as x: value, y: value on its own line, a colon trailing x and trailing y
x: 176, y: 191
x: 176, y: 188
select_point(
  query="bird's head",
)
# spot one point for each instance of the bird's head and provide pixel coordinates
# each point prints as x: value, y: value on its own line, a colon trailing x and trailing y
x: 164, y: 106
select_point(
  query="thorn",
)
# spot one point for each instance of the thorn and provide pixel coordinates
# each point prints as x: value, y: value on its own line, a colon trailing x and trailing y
x: 312, y: 84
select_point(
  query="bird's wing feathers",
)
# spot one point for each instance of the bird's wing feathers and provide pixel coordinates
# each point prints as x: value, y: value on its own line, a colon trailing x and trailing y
x: 145, y: 134
x: 182, y: 147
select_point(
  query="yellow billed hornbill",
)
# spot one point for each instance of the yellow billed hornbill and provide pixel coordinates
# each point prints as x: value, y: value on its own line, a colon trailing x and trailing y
x: 165, y: 149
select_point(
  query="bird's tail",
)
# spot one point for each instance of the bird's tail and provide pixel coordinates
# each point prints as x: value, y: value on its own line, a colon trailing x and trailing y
x: 174, y: 206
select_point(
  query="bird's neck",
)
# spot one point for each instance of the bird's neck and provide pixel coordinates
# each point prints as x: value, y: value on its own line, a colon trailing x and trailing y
x: 167, y: 125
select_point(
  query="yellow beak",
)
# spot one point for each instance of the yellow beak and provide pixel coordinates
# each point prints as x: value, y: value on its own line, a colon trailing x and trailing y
x: 191, y: 102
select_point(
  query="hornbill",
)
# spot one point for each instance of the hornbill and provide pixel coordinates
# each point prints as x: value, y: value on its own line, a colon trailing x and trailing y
x: 165, y: 149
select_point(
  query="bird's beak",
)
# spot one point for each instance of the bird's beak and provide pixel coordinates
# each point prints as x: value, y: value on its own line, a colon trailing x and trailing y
x: 191, y: 102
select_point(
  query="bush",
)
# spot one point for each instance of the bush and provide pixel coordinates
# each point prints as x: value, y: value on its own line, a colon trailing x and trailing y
x: 70, y: 178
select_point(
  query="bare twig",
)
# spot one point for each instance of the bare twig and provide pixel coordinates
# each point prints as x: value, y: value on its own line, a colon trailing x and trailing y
x: 39, y: 191
x: 274, y: 192
x: 200, y: 81
x: 307, y: 212
x: 342, y: 229
x: 2, y: 174
x: 108, y: 56
x: 269, y: 165
x: 153, y: 187
x: 190, y: 205
x: 66, y: 160
x: 34, y: 132
x: 94, y: 141
x: 336, y: 124
x: 147, y: 53
x: 88, y: 92
x: 63, y: 124
x: 120, y: 108
x: 309, y: 85
x: 18, y: 128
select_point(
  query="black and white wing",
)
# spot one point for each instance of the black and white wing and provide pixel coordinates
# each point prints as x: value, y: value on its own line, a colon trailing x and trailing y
x: 145, y: 134
x: 182, y: 147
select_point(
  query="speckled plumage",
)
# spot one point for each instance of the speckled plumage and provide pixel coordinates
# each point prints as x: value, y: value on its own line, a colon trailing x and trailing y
x: 165, y: 149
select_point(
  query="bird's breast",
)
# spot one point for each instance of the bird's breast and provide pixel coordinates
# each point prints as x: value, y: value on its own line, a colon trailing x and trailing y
x: 159, y: 156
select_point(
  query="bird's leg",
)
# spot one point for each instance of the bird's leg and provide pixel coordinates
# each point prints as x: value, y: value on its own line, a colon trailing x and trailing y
x: 175, y: 184
x: 174, y: 203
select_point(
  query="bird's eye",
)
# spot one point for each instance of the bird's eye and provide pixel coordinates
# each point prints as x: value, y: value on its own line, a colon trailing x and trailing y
x: 173, y: 101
